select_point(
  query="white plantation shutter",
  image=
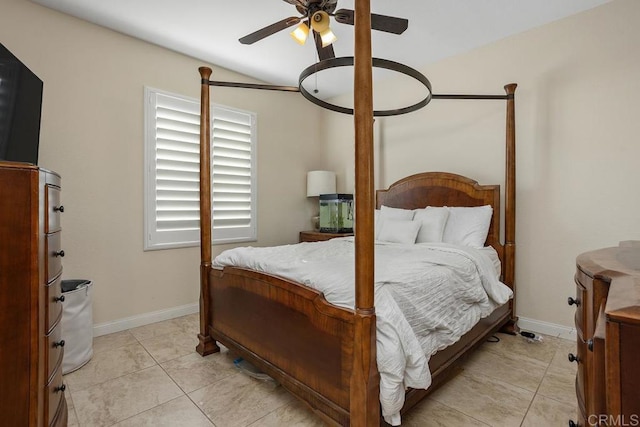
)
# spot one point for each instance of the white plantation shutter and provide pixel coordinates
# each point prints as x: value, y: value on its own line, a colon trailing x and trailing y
x: 232, y: 169
x: 172, y: 161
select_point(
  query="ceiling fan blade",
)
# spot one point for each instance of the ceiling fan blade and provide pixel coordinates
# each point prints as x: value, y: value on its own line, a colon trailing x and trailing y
x: 323, y: 52
x: 271, y: 29
x: 389, y: 24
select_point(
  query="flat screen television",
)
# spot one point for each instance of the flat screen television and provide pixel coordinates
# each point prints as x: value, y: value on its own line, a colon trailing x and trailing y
x: 20, y: 108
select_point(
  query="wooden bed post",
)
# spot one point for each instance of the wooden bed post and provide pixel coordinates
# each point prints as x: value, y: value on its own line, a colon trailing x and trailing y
x: 510, y: 204
x: 365, y: 379
x: 206, y: 345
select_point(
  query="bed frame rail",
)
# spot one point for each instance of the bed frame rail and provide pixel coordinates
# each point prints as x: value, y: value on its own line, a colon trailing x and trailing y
x: 288, y: 331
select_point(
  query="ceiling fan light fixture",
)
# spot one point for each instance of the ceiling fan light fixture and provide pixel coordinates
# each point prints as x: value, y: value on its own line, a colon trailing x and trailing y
x: 320, y: 24
x: 300, y: 33
x: 327, y: 37
x: 320, y: 21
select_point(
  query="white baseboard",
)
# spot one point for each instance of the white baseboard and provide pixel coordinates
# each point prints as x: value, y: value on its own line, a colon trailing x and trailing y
x: 99, y: 329
x: 547, y: 328
x: 144, y: 319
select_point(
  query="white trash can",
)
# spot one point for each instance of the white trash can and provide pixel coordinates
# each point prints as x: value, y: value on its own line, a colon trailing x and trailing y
x: 77, y: 324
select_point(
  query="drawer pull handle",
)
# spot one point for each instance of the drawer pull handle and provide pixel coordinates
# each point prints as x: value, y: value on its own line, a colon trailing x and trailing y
x: 590, y: 345
x: 58, y: 209
x: 573, y: 358
x: 58, y: 344
x: 61, y: 388
x: 59, y: 254
x: 572, y: 301
x: 59, y: 299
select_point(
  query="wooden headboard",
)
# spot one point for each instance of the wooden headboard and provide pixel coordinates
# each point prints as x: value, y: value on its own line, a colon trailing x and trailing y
x: 445, y: 189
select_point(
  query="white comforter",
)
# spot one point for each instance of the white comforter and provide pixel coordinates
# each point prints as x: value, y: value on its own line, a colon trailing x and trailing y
x: 426, y: 297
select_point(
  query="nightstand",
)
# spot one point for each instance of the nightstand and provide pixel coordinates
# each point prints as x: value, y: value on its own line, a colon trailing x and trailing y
x: 316, y: 236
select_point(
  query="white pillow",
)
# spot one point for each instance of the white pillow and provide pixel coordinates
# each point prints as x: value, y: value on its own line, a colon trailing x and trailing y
x: 399, y: 231
x: 386, y: 213
x: 395, y: 213
x: 432, y: 222
x: 377, y: 222
x: 468, y: 226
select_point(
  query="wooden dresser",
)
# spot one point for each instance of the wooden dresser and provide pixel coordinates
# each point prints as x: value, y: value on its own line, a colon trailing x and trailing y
x: 30, y: 297
x: 607, y: 321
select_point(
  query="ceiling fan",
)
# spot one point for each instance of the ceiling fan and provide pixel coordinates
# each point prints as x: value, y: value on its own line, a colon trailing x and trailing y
x: 315, y: 16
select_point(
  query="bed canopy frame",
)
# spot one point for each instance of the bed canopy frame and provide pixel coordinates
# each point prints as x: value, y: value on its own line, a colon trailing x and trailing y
x: 358, y: 326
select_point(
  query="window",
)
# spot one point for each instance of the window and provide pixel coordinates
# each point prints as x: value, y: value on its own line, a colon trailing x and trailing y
x: 172, y: 172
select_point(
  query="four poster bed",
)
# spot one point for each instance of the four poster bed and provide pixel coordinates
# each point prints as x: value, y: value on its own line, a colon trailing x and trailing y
x: 324, y: 353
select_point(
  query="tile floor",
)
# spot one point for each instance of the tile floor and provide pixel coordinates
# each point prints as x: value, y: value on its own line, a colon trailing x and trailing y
x: 151, y: 376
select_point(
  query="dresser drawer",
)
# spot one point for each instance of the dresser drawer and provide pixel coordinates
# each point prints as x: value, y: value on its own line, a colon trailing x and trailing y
x: 53, y: 304
x: 579, y: 300
x: 54, y: 392
x: 581, y: 375
x: 598, y: 401
x: 582, y: 278
x: 582, y: 408
x: 54, y: 208
x: 54, y: 256
x: 61, y: 417
x: 53, y: 353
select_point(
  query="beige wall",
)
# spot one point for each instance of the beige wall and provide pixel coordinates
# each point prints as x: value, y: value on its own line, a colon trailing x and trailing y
x: 92, y: 134
x: 577, y: 110
x: 577, y: 129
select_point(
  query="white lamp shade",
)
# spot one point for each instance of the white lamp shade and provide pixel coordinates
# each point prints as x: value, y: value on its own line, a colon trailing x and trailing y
x: 320, y: 182
x: 301, y: 33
